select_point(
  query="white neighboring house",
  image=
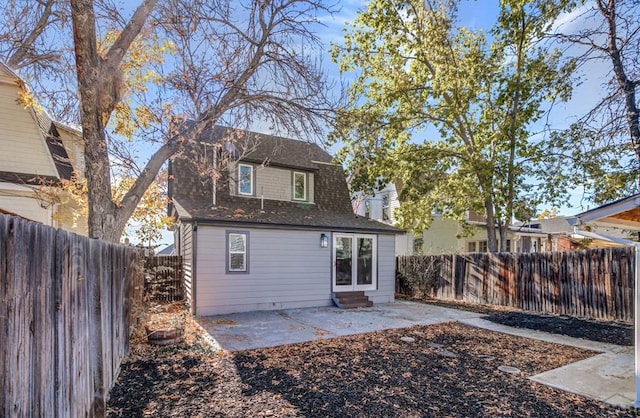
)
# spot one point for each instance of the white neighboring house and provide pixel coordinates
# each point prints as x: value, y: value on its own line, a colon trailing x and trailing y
x: 444, y: 235
x: 381, y: 207
x: 35, y: 149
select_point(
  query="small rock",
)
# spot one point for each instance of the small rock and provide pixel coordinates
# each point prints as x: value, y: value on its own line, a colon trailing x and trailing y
x: 486, y: 357
x: 408, y: 339
x: 509, y: 369
x: 435, y: 345
x: 447, y: 353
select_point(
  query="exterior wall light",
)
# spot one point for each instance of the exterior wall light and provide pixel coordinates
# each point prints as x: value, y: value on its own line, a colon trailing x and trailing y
x: 324, y: 241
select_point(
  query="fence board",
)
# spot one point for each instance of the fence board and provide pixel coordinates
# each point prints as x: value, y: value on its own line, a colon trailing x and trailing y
x: 595, y: 283
x: 64, y: 319
x: 164, y: 278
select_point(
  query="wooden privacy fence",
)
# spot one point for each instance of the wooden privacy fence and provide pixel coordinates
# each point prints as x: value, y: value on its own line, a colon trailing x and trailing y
x: 65, y: 302
x: 164, y: 278
x: 596, y: 283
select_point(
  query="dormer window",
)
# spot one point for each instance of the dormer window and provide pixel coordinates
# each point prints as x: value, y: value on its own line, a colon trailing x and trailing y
x: 367, y: 208
x: 299, y: 186
x: 245, y: 179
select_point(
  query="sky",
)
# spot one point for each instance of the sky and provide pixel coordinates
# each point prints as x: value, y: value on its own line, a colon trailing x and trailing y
x: 479, y: 14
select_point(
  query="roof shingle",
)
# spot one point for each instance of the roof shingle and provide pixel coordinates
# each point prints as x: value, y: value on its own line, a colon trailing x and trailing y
x: 332, y: 204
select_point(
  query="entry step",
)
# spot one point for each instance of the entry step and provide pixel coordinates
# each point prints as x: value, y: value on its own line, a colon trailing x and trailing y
x: 350, y: 300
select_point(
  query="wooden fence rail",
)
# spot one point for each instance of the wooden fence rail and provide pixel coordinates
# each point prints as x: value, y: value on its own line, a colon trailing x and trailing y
x: 65, y: 304
x: 596, y: 283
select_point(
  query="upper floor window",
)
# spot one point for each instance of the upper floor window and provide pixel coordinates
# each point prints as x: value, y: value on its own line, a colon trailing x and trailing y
x: 472, y: 247
x: 367, y: 208
x: 299, y: 186
x: 482, y: 246
x: 386, y: 208
x: 245, y: 179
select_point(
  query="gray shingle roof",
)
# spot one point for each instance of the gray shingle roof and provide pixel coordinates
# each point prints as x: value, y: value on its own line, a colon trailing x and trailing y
x: 331, y: 209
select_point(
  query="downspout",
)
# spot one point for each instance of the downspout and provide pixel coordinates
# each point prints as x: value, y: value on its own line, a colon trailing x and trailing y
x: 194, y: 268
x: 215, y: 177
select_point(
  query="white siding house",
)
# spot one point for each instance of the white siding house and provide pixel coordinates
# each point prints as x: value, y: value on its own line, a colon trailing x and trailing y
x: 276, y: 231
x: 35, y: 151
x: 381, y: 207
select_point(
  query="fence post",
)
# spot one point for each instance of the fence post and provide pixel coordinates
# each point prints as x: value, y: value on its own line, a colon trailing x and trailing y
x: 637, y: 324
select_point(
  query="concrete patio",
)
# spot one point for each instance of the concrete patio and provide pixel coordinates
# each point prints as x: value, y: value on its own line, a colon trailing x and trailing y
x: 608, y: 377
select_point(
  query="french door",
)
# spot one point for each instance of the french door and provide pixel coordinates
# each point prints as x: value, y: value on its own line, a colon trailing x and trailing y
x: 354, y: 262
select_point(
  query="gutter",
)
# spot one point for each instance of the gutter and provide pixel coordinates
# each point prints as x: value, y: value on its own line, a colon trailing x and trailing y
x: 253, y: 224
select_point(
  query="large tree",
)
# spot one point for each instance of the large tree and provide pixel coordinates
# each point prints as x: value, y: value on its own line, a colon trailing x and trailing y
x: 447, y: 112
x: 220, y: 61
x: 603, y: 146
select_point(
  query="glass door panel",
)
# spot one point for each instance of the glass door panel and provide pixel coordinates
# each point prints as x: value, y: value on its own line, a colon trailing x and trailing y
x: 365, y: 261
x: 343, y: 261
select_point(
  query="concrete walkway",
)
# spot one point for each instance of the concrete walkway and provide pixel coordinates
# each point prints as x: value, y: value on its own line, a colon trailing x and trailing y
x: 607, y: 377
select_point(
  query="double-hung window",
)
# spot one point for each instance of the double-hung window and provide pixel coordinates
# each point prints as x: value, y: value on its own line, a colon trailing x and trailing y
x: 237, y: 252
x: 386, y: 208
x: 245, y: 179
x: 299, y: 186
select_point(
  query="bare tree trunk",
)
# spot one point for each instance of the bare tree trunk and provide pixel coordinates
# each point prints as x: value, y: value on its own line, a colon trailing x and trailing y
x: 503, y: 229
x: 88, y: 63
x: 627, y: 86
x: 99, y: 85
x: 492, y: 242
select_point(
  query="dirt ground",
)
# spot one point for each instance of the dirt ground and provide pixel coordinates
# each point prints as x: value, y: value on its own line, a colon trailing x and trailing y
x: 444, y: 370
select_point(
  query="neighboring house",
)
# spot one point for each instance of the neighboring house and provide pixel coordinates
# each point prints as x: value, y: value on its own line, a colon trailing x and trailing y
x: 613, y: 224
x: 444, y: 236
x: 381, y: 207
x: 564, y: 234
x: 275, y: 230
x: 36, y: 151
x: 168, y: 250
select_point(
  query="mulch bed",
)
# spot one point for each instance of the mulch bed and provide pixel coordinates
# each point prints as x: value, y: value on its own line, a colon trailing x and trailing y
x: 620, y: 334
x: 448, y: 370
x: 612, y: 332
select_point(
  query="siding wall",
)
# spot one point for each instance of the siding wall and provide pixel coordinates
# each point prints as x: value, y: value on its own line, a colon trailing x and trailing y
x: 376, y: 204
x: 23, y: 148
x: 186, y: 251
x: 441, y: 237
x: 23, y: 203
x: 287, y: 269
x: 386, y: 271
x: 272, y: 182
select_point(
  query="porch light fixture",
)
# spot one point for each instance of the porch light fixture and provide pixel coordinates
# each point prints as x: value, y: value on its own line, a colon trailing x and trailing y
x: 324, y: 241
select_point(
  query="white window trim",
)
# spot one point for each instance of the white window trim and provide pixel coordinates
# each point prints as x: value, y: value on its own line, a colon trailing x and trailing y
x: 251, y: 179
x: 304, y: 191
x: 354, y: 265
x: 245, y: 236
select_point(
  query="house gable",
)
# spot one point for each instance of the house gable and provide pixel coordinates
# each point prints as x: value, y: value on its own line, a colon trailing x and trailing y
x: 271, y: 200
